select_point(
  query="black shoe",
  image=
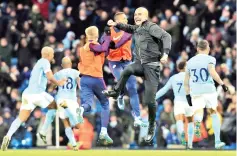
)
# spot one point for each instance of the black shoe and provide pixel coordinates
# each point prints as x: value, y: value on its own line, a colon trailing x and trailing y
x: 111, y: 93
x: 151, y: 132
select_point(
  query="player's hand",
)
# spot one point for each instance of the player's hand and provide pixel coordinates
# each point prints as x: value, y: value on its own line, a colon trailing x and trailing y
x: 62, y: 82
x: 107, y: 30
x: 111, y: 23
x: 189, y: 99
x: 112, y: 45
x: 164, y: 59
x: 224, y: 87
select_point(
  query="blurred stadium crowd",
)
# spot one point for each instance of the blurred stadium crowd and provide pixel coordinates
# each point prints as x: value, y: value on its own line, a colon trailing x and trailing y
x: 28, y: 25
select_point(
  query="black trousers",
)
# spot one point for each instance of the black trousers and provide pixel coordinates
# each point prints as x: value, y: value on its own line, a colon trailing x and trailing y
x: 151, y: 76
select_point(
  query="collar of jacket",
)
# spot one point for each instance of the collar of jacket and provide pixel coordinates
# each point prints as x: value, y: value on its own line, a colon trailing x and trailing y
x: 144, y: 23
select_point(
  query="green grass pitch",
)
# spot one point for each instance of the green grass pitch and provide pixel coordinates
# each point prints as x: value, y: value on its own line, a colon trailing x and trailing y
x: 115, y: 153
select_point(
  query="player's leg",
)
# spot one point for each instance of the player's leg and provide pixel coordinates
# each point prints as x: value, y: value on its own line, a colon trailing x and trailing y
x: 151, y: 74
x: 198, y: 106
x: 98, y: 88
x: 24, y: 114
x: 132, y: 69
x: 179, y: 111
x: 180, y: 127
x: 189, y: 114
x: 47, y: 101
x: 216, y: 124
x: 116, y: 69
x: 190, y: 132
x: 69, y: 134
x: 86, y: 96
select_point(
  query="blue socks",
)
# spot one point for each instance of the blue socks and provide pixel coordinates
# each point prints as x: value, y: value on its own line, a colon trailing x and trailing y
x: 70, y: 136
x: 216, y: 125
x: 50, y: 115
x: 180, y: 126
x: 190, y: 134
x: 14, y: 126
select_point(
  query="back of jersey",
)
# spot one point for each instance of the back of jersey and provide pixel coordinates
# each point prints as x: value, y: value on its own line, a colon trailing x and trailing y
x: 200, y: 80
x: 178, y: 86
x: 68, y: 90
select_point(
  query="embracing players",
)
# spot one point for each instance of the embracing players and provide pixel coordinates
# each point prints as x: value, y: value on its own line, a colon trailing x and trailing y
x: 35, y: 95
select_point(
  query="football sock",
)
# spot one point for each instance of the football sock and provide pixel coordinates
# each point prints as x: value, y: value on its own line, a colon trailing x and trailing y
x: 190, y: 134
x: 216, y: 127
x: 180, y: 126
x: 14, y: 126
x: 70, y: 136
x: 48, y: 120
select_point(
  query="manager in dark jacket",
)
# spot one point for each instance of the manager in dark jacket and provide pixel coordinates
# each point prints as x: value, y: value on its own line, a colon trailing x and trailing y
x: 152, y: 47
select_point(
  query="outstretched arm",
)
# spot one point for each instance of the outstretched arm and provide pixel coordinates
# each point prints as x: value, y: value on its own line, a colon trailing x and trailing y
x: 126, y: 37
x: 164, y: 90
x: 126, y: 27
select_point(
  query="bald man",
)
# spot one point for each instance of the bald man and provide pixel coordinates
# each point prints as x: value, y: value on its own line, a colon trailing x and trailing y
x: 66, y: 99
x: 119, y: 58
x: 35, y: 95
x: 152, y: 47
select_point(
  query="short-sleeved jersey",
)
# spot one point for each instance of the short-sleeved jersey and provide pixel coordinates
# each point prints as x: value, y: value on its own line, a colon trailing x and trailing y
x: 176, y: 82
x: 38, y: 79
x: 68, y: 90
x: 200, y: 81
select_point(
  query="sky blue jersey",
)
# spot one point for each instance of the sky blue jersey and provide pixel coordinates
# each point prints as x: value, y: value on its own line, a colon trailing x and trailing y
x: 200, y: 81
x: 38, y: 79
x: 68, y: 90
x: 176, y: 82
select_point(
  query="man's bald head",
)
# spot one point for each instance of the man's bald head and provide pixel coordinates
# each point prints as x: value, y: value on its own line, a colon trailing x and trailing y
x: 66, y: 62
x: 47, y: 53
x: 141, y: 14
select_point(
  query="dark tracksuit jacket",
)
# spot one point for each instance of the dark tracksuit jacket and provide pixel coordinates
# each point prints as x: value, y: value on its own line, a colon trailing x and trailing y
x: 151, y: 42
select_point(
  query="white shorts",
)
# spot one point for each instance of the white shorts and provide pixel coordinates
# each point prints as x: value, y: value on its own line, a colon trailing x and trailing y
x: 73, y: 106
x: 30, y: 101
x: 182, y: 107
x: 205, y: 101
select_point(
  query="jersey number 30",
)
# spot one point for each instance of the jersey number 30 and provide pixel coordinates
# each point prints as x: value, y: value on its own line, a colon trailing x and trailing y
x: 69, y: 84
x: 202, y: 74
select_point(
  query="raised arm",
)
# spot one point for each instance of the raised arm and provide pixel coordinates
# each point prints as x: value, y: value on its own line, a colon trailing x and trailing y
x: 126, y: 27
x: 97, y: 48
x: 126, y: 37
x: 164, y: 90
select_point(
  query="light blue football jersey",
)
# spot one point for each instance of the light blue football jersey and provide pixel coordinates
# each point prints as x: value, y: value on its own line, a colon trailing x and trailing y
x: 68, y: 90
x: 38, y: 79
x: 201, y: 81
x: 176, y: 82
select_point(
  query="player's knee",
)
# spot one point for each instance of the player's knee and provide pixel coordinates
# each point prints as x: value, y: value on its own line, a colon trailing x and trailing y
x: 52, y: 105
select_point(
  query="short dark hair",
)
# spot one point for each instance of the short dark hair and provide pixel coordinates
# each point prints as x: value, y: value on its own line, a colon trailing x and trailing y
x: 202, y: 45
x: 118, y: 13
x: 181, y: 65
